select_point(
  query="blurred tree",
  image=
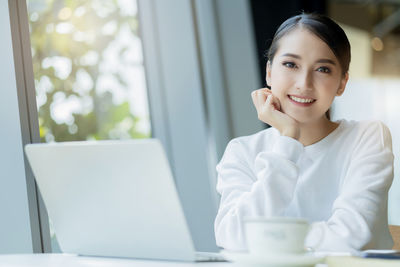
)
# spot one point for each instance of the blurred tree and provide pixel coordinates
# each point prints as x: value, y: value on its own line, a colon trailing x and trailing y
x: 69, y: 39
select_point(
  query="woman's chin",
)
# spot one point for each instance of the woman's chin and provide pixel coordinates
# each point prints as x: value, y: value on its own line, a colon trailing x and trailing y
x: 302, y: 118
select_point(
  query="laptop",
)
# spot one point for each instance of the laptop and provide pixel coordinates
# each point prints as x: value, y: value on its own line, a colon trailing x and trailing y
x: 113, y: 198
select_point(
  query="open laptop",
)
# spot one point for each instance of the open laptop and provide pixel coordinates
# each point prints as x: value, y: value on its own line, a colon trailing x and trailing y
x: 113, y: 198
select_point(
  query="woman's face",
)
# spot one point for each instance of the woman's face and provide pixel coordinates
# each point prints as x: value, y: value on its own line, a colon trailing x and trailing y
x: 305, y: 75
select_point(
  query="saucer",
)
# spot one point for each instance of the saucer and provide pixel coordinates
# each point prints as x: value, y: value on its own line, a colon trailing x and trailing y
x: 244, y: 258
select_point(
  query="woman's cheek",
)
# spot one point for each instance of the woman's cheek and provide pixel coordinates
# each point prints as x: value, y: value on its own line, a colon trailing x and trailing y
x: 328, y: 81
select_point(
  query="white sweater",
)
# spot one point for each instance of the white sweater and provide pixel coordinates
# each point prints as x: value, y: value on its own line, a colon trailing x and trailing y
x: 339, y: 184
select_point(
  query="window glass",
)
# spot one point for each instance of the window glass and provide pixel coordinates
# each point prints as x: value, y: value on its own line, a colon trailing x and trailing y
x: 89, y: 72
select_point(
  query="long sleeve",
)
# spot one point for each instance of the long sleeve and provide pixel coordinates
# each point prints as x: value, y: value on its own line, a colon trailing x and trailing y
x: 359, y: 213
x: 264, y: 190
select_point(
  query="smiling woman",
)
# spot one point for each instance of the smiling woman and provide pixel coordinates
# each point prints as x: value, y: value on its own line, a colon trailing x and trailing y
x: 335, y: 174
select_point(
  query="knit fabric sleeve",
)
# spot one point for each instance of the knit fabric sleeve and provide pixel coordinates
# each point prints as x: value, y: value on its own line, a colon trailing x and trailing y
x: 264, y: 190
x: 362, y: 202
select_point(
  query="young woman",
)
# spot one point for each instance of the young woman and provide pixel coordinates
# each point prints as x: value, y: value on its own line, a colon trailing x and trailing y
x: 336, y: 174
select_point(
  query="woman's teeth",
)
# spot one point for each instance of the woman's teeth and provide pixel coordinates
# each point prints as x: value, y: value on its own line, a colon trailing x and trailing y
x: 301, y: 100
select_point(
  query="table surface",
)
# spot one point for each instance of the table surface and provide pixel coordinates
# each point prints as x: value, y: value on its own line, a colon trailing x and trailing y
x: 70, y: 260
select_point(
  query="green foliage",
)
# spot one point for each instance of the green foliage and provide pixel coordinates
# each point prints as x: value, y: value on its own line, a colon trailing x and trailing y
x: 70, y: 30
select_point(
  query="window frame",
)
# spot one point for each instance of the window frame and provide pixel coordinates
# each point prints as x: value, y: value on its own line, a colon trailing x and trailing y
x: 25, y: 90
x: 197, y: 110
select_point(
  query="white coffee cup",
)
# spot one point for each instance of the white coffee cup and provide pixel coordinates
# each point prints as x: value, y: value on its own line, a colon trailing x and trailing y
x: 275, y: 235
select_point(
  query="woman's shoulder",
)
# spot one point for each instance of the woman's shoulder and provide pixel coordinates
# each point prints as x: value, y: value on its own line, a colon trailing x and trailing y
x: 363, y: 127
x: 364, y: 123
x: 367, y: 131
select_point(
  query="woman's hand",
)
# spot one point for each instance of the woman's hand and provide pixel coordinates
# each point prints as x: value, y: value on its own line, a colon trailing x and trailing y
x: 269, y: 111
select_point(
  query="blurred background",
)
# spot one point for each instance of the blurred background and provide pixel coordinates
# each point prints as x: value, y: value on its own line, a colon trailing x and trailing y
x: 182, y: 71
x: 90, y: 75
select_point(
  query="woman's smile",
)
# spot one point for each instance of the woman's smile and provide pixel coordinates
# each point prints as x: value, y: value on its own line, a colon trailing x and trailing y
x: 301, y: 101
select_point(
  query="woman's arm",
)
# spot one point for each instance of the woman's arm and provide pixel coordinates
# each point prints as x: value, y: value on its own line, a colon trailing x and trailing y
x: 267, y: 191
x: 359, y: 214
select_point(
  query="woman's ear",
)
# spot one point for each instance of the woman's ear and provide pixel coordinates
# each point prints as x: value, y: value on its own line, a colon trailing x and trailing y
x: 268, y: 74
x: 343, y: 83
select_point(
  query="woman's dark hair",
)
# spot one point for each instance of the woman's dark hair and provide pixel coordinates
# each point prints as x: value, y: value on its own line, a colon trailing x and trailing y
x: 323, y: 27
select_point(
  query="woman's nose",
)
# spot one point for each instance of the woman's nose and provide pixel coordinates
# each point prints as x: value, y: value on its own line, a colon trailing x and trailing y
x: 304, y: 81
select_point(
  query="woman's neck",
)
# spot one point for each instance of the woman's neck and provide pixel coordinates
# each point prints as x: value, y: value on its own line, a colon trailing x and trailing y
x: 313, y: 132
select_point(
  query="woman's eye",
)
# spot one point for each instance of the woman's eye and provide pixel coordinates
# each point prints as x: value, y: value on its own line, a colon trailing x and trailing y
x: 324, y: 69
x: 289, y: 64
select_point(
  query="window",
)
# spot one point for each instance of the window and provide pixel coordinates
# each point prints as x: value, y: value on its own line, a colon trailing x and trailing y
x: 89, y: 72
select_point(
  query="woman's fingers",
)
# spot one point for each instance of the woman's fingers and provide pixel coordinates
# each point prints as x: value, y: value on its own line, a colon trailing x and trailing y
x: 258, y: 98
x: 274, y: 101
x: 255, y: 98
x: 271, y: 100
x: 261, y: 97
x: 264, y: 101
x: 266, y: 90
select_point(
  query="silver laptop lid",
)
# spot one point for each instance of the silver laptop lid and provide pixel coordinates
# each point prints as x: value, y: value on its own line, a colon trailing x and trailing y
x: 112, y: 198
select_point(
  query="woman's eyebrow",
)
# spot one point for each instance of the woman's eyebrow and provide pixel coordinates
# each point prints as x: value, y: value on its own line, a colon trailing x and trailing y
x: 326, y: 60
x: 322, y: 60
x: 291, y: 55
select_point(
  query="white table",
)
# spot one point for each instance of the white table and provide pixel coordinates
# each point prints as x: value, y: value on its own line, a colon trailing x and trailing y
x: 68, y: 260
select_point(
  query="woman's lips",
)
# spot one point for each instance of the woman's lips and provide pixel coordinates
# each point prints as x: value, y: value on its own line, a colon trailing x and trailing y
x: 301, y: 101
